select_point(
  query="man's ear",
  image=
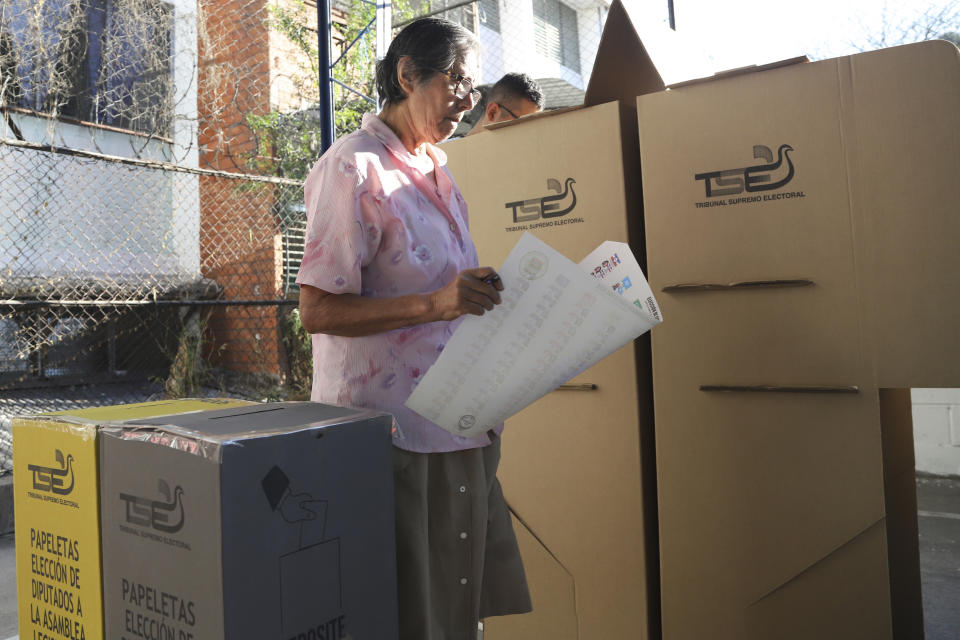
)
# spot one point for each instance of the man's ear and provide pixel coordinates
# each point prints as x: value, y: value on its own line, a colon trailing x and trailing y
x: 406, y: 74
x: 492, y: 111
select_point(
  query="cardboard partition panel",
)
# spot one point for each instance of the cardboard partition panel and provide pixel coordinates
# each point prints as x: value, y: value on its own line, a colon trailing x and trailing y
x: 900, y: 110
x: 57, y: 509
x: 900, y: 494
x: 800, y: 224
x: 573, y: 463
x: 554, y: 593
x: 841, y: 167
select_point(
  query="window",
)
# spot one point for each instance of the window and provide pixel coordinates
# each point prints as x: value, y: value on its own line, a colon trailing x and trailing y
x: 485, y: 12
x: 294, y: 219
x: 555, y: 33
x: 490, y: 14
x: 104, y: 61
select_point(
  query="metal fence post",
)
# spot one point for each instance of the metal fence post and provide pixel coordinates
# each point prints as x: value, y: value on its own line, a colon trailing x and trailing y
x: 384, y: 35
x: 324, y: 37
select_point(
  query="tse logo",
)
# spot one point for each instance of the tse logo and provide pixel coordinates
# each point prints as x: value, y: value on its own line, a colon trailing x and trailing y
x: 549, y: 206
x: 761, y: 177
x: 156, y: 514
x: 54, y: 479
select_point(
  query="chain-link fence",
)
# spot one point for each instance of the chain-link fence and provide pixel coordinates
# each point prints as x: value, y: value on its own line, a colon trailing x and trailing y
x: 151, y: 201
x: 152, y: 154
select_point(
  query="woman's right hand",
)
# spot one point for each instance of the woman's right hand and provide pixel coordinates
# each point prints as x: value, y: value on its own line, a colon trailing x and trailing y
x: 473, y: 291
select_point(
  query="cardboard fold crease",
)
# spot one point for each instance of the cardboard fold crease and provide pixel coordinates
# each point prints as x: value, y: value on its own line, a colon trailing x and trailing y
x: 812, y: 565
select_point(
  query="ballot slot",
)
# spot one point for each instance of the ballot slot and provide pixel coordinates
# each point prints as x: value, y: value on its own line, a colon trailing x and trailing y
x: 774, y: 388
x: 577, y: 386
x: 750, y: 284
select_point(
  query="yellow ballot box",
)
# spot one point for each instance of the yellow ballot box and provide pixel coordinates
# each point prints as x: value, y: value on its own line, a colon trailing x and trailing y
x: 57, y: 514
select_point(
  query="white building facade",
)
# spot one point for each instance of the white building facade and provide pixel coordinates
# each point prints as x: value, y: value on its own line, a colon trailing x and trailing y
x: 139, y: 88
x: 542, y: 38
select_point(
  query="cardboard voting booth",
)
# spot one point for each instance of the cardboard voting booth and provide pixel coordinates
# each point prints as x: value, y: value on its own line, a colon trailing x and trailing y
x: 806, y: 247
x: 270, y: 521
x: 749, y: 475
x: 577, y: 466
x: 57, y: 510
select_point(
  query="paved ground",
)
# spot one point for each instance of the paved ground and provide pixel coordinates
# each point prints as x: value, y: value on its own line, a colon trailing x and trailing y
x: 8, y: 587
x: 938, y: 508
x: 939, y: 517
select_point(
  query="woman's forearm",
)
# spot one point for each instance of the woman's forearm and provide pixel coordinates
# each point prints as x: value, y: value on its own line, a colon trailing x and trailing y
x: 472, y: 291
x: 351, y: 315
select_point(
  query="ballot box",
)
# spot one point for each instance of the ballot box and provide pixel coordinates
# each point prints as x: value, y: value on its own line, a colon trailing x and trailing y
x: 270, y: 521
x: 57, y: 511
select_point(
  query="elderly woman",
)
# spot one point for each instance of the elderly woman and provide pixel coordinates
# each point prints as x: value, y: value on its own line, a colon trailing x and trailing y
x: 389, y: 269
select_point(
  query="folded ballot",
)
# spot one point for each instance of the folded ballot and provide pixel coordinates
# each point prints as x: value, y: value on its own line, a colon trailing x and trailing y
x: 556, y: 319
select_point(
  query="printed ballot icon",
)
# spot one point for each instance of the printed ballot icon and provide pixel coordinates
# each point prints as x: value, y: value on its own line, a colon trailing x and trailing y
x: 310, y: 593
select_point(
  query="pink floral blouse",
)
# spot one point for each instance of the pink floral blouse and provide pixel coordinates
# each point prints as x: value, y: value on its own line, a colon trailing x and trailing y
x: 378, y: 226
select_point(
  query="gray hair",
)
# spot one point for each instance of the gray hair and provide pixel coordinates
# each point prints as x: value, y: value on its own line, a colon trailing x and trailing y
x: 431, y: 44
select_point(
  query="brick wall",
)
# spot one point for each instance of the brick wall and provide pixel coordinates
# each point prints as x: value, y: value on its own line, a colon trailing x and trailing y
x: 239, y: 243
x: 242, y: 250
x: 248, y: 68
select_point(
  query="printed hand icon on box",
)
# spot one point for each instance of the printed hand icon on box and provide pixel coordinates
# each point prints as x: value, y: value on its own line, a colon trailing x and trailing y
x: 309, y: 576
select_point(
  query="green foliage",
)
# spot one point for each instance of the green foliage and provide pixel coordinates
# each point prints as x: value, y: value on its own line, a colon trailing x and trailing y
x: 952, y: 36
x: 289, y: 144
x: 189, y: 371
x: 290, y: 23
x: 913, y: 22
x: 298, y: 345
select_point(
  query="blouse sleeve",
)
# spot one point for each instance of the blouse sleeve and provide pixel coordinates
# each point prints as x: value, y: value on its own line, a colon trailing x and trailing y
x: 341, y: 226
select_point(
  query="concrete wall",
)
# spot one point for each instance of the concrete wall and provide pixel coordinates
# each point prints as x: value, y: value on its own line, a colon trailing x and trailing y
x: 936, y: 430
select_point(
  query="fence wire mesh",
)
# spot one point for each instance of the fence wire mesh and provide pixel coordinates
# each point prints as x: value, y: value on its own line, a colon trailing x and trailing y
x: 152, y: 154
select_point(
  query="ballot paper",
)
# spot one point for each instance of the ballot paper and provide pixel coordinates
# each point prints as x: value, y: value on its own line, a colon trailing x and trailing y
x: 556, y: 319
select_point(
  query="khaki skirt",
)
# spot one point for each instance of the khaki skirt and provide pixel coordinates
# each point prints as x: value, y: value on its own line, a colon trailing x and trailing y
x: 457, y: 556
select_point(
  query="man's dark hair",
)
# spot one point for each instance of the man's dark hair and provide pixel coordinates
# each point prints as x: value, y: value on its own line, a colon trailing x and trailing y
x: 517, y: 86
x: 431, y: 44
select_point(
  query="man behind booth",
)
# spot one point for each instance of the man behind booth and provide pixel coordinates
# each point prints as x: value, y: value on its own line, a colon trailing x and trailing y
x: 514, y: 95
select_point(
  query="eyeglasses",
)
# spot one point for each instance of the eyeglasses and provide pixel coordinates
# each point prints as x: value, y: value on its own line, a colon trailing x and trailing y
x: 463, y: 86
x: 505, y: 108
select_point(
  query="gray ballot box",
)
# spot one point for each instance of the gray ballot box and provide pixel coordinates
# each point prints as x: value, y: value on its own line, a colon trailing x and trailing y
x: 271, y: 521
